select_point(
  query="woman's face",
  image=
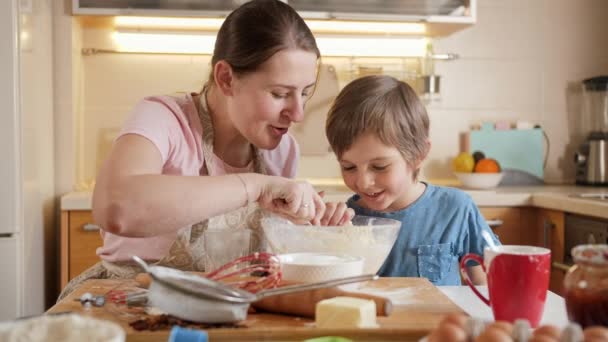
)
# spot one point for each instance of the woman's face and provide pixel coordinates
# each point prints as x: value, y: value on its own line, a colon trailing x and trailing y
x: 378, y: 173
x: 266, y: 102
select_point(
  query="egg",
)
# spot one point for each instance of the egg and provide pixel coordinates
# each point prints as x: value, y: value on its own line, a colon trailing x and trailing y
x: 494, y: 334
x: 542, y: 338
x: 474, y: 327
x: 454, y: 318
x: 572, y: 332
x: 503, y: 325
x: 596, y: 333
x: 448, y: 332
x: 547, y: 330
x: 521, y: 330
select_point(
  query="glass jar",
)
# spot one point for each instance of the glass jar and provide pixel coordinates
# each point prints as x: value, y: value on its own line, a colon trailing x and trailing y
x: 586, y: 286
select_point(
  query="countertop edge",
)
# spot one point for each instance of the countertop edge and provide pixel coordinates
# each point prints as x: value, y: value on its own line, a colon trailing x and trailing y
x: 554, y: 197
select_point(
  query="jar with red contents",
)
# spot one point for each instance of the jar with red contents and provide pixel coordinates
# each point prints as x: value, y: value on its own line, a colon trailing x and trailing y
x: 586, y: 286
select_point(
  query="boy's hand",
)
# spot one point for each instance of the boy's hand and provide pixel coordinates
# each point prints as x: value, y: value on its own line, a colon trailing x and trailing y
x: 336, y: 214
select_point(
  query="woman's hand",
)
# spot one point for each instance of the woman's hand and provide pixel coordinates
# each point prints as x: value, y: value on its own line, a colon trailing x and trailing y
x: 295, y: 200
x: 336, y: 214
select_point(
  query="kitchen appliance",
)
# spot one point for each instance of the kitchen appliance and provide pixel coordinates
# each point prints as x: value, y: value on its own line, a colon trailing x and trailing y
x: 592, y: 158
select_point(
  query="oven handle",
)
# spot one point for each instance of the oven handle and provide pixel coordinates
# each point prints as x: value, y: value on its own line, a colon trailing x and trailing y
x: 495, y: 223
x: 560, y: 266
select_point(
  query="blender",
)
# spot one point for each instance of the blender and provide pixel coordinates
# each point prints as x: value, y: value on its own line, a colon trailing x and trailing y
x: 592, y: 158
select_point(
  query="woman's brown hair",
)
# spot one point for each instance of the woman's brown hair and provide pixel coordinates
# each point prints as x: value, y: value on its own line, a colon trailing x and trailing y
x: 255, y: 31
x: 385, y: 107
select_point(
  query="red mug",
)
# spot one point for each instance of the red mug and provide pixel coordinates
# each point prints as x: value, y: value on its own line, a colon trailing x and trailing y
x: 518, y: 279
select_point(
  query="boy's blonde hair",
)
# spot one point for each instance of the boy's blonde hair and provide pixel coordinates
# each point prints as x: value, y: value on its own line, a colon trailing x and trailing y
x: 385, y: 107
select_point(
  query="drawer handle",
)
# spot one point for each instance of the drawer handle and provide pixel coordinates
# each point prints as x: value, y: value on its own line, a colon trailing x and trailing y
x: 560, y: 266
x: 495, y: 223
x: 90, y: 227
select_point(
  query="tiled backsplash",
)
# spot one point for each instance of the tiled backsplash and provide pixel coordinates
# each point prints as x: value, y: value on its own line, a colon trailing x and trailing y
x: 516, y: 63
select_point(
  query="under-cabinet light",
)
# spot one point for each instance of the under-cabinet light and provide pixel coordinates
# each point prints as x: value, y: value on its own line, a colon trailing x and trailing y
x: 316, y: 26
x: 164, y: 43
x: 372, y: 47
x: 156, y: 23
x: 329, y: 46
x: 365, y: 27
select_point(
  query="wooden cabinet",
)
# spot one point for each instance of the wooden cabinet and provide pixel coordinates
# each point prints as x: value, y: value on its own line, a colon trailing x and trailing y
x: 512, y: 225
x: 534, y: 227
x: 80, y: 238
x: 551, y: 230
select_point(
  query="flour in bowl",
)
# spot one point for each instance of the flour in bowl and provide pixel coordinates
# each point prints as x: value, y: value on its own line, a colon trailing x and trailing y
x: 371, y: 241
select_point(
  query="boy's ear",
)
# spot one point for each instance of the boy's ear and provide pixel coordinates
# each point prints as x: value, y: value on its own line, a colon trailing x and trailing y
x: 426, y: 154
x: 224, y: 77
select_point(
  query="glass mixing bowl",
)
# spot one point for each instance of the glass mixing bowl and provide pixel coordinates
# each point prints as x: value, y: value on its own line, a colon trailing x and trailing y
x: 369, y: 237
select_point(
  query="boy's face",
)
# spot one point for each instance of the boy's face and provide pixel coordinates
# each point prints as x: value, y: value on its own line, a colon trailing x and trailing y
x: 378, y: 173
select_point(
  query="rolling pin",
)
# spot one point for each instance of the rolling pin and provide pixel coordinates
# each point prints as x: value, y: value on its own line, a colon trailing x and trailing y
x: 300, y: 303
x: 304, y: 303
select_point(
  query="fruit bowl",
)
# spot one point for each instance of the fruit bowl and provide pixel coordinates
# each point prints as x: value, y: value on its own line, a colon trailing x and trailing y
x: 479, y: 180
x: 371, y: 238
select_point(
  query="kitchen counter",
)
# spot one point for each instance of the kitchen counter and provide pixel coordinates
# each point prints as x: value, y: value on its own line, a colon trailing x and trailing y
x: 554, y: 312
x: 418, y: 307
x: 556, y: 197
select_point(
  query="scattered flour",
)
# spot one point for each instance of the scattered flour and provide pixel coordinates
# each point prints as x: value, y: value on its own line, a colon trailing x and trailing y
x: 65, y: 328
x: 399, y: 296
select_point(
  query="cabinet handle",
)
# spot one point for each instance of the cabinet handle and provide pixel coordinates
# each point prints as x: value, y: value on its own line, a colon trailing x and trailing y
x: 495, y: 223
x: 547, y: 226
x: 560, y: 266
x: 90, y: 227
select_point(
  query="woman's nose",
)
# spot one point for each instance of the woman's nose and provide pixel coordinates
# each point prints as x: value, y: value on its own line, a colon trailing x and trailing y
x: 296, y: 109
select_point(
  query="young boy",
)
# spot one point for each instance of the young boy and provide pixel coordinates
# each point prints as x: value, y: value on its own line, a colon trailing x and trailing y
x: 379, y: 130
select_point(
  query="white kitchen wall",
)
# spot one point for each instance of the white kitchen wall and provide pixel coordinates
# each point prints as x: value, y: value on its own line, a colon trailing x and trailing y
x: 522, y: 60
x: 516, y: 63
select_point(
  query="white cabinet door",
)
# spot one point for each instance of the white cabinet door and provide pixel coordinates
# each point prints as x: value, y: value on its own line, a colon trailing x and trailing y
x: 9, y: 307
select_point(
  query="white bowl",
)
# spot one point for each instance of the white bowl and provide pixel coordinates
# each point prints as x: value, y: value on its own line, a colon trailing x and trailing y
x: 317, y: 267
x: 479, y: 180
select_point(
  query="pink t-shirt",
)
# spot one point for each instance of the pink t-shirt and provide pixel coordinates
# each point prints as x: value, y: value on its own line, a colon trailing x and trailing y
x: 172, y: 124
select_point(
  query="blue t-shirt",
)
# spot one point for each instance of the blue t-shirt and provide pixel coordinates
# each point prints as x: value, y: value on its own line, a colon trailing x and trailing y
x: 437, y: 230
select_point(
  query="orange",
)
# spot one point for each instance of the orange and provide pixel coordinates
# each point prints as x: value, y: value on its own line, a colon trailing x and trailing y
x: 487, y: 165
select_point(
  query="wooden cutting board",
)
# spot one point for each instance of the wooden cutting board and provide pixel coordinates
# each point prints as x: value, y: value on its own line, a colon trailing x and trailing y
x: 418, y: 307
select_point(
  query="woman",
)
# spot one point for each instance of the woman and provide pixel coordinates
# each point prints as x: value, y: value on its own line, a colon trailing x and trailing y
x: 185, y: 163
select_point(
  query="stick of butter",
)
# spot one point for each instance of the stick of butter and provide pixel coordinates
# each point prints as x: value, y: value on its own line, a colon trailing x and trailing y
x: 346, y: 312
